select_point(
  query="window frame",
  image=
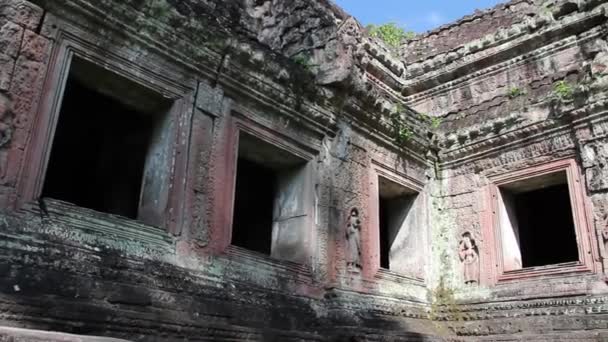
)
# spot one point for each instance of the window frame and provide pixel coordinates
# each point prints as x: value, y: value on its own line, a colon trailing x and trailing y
x: 580, y: 215
x: 378, y: 170
x: 240, y: 123
x: 71, y: 42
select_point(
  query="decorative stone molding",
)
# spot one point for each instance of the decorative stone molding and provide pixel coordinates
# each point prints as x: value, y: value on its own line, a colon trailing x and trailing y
x: 530, y: 29
x: 493, y: 231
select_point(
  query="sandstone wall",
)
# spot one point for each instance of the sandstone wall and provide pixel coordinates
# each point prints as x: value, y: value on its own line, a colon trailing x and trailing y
x: 500, y: 114
x: 454, y: 35
x: 76, y: 271
x: 304, y: 76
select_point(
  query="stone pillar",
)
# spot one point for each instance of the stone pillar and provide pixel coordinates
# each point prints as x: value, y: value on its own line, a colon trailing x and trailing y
x: 24, y: 56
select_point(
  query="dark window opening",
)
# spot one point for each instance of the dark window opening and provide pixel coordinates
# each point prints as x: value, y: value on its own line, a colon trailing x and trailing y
x: 253, y: 206
x: 385, y: 244
x: 394, y: 207
x: 100, y: 146
x: 546, y: 226
x: 268, y: 191
x: 542, y: 216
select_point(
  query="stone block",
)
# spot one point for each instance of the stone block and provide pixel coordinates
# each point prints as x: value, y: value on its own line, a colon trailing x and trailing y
x: 22, y: 12
x: 463, y: 184
x: 11, y: 35
x: 10, y: 165
x: 461, y: 201
x: 25, y: 89
x: 210, y: 99
x: 597, y: 178
x: 35, y: 47
x: 7, y: 66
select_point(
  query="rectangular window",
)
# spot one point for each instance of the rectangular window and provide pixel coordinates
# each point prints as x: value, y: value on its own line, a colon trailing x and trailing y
x: 398, y: 224
x: 271, y: 212
x: 539, y: 222
x: 111, y: 145
x: 253, y: 206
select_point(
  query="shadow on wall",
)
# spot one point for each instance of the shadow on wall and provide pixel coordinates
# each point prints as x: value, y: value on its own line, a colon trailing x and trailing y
x: 50, y: 284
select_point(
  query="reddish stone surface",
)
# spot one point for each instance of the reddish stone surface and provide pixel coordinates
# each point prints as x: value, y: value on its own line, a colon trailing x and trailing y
x: 533, y: 95
x: 23, y: 13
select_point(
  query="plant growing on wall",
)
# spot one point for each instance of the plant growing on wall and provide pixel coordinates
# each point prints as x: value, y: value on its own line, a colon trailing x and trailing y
x: 391, y: 33
x: 516, y: 92
x: 304, y: 61
x: 402, y: 132
x: 433, y: 121
x: 563, y: 91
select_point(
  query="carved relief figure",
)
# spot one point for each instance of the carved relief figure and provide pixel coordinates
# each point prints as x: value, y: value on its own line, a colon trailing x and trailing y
x: 6, y: 132
x: 5, y: 120
x: 353, y: 239
x: 605, y: 237
x: 604, y: 229
x: 469, y: 256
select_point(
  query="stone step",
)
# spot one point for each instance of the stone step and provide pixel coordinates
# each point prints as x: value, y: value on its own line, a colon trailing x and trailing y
x: 8, y: 334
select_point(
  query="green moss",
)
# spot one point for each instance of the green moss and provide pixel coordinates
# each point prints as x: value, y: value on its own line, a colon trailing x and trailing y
x: 444, y: 307
x: 442, y: 301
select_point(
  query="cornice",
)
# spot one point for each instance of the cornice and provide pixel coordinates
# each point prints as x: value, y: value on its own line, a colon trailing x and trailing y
x: 478, y: 15
x: 546, y: 132
x: 237, y: 79
x: 521, y: 60
x: 379, y: 129
x: 480, y: 56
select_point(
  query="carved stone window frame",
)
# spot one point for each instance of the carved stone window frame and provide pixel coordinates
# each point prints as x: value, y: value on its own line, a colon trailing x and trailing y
x: 242, y: 123
x: 496, y: 271
x: 379, y: 169
x: 70, y: 42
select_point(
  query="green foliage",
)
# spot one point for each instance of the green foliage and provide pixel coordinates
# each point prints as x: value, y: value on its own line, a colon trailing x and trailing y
x: 398, y: 109
x: 563, y: 91
x: 402, y: 132
x: 304, y: 61
x: 391, y: 33
x: 433, y: 121
x: 546, y: 10
x: 516, y: 92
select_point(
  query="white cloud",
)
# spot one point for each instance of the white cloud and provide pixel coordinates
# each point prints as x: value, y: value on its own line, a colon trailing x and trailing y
x: 434, y: 18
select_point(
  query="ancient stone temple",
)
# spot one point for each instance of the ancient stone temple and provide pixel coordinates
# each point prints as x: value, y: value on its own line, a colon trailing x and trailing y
x: 267, y: 170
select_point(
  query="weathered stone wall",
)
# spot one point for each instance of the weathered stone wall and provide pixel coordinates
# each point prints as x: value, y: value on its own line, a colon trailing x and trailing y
x: 304, y: 75
x: 501, y: 112
x: 453, y: 36
x: 72, y: 270
x: 23, y: 65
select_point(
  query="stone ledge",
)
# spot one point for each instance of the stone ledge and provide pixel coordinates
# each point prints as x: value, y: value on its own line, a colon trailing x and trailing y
x: 25, y: 335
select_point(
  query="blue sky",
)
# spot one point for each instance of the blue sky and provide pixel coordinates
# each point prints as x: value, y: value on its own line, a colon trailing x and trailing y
x: 415, y: 15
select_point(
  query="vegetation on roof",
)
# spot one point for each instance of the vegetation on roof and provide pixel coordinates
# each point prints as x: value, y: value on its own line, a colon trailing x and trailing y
x: 391, y: 33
